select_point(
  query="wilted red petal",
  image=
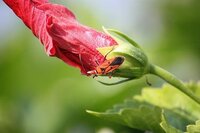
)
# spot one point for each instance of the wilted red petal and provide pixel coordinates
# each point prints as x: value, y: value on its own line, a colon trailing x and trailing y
x: 61, y: 34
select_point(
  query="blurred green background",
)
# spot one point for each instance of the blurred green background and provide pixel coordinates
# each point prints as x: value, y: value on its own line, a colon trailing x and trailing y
x: 39, y: 94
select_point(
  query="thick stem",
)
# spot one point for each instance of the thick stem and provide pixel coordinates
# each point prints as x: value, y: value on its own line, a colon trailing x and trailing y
x: 171, y: 79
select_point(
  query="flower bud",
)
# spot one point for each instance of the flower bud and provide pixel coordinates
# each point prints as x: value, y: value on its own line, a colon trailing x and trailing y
x: 136, y: 62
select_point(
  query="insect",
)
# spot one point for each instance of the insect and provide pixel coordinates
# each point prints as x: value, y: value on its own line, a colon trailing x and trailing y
x: 107, y: 67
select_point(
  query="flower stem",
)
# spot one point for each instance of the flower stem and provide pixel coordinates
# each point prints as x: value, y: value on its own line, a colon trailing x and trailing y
x: 171, y: 79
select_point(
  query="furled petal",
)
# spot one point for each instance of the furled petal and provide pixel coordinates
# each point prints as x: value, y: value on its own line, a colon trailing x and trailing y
x: 60, y: 33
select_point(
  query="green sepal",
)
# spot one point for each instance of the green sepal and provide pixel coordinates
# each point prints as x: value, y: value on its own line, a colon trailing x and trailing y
x: 136, y: 62
x: 127, y: 38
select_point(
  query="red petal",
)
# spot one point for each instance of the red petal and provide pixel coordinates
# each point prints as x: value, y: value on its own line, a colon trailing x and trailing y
x: 61, y: 34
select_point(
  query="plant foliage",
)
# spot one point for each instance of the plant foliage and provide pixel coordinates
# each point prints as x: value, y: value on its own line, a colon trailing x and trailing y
x: 158, y: 110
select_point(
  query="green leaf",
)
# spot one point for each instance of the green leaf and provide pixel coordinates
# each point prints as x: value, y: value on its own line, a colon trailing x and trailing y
x: 170, y: 98
x: 167, y: 127
x: 132, y: 114
x: 158, y: 110
x: 194, y: 128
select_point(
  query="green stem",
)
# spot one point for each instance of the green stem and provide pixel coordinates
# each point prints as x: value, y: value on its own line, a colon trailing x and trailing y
x: 171, y: 79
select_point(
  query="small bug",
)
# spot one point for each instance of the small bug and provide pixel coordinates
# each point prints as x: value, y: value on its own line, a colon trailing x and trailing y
x: 107, y: 67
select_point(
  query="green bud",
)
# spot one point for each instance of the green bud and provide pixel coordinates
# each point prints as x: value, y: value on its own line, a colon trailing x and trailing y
x: 136, y: 62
